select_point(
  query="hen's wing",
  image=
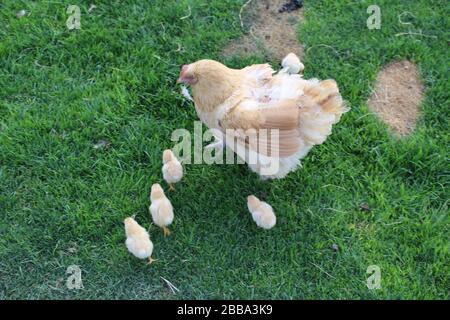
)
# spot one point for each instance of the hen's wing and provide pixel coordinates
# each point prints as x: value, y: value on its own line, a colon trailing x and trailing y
x: 276, y: 116
x: 258, y: 72
x: 268, y: 128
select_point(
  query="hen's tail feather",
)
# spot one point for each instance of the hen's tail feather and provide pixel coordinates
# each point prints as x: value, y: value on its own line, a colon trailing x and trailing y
x: 321, y: 107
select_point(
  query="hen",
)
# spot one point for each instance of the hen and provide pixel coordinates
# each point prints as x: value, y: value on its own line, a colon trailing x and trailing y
x: 269, y: 120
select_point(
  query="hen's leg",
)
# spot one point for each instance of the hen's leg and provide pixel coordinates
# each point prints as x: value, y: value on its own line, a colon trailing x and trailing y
x: 217, y: 145
x: 218, y: 141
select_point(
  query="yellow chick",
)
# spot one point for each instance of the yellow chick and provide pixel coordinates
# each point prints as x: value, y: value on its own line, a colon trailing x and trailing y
x: 291, y: 64
x: 138, y: 241
x: 161, y: 209
x: 172, y: 169
x: 262, y: 212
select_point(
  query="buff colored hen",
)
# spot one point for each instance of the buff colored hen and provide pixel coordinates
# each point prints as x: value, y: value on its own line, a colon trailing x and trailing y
x: 269, y: 120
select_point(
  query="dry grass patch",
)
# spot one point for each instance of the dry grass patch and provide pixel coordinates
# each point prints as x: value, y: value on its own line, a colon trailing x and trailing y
x: 397, y: 95
x: 272, y: 26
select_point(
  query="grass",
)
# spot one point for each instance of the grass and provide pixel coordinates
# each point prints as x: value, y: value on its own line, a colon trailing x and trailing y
x: 62, y: 202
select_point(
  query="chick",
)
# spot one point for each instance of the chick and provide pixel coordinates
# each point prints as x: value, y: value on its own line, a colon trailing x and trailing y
x: 161, y: 209
x: 172, y: 169
x: 138, y: 241
x: 291, y: 64
x: 262, y: 212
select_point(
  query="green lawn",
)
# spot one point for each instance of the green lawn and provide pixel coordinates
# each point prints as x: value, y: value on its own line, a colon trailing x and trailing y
x: 62, y: 202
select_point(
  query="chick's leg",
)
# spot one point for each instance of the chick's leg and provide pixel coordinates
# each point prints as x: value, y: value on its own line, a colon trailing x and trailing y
x: 151, y: 260
x: 166, y: 231
x: 171, y: 187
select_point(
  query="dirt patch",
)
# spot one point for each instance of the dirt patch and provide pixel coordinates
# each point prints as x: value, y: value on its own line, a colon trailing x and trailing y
x: 272, y: 26
x: 397, y: 95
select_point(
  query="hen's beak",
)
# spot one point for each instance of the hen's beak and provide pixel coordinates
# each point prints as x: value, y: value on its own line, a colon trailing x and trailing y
x: 184, y: 78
